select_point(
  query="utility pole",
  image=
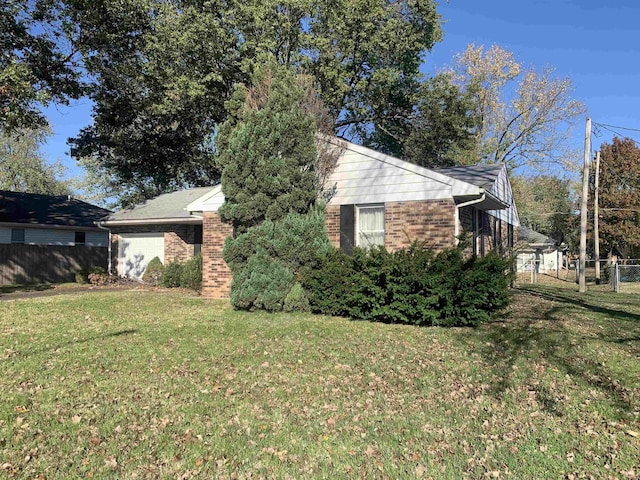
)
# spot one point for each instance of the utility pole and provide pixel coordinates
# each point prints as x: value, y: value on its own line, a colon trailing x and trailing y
x: 582, y: 280
x: 596, y: 236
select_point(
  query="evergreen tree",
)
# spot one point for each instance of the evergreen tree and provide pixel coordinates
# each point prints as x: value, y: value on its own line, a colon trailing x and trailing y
x: 267, y: 151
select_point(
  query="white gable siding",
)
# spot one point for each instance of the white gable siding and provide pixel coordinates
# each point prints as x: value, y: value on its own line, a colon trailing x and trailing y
x: 97, y: 239
x: 48, y: 236
x: 5, y: 235
x: 362, y: 179
x: 502, y: 190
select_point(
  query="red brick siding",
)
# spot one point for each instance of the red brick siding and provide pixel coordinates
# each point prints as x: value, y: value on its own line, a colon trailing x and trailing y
x: 431, y: 222
x: 332, y: 223
x: 216, y: 275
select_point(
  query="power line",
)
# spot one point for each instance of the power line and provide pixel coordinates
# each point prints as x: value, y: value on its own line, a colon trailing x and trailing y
x: 618, y: 127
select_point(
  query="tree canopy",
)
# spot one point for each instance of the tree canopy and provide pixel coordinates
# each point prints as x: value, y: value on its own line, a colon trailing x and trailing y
x: 525, y: 116
x: 22, y: 167
x: 37, y: 65
x: 619, y: 197
x: 161, y: 72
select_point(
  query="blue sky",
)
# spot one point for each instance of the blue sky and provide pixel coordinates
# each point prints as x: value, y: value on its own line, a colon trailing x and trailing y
x: 597, y: 46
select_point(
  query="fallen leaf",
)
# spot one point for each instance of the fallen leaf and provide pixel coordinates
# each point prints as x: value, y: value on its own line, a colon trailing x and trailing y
x: 76, y: 419
x: 632, y: 433
x: 111, y: 462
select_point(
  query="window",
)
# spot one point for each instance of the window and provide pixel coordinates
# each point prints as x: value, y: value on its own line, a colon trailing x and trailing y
x: 17, y: 235
x: 197, y: 239
x: 80, y: 238
x: 369, y: 225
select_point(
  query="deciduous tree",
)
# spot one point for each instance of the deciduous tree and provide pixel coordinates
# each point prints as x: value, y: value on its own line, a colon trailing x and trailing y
x: 525, y: 115
x: 619, y: 197
x: 37, y: 66
x: 22, y: 167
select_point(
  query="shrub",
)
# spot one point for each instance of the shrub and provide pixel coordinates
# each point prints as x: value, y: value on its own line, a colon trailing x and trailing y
x: 153, y: 273
x: 82, y: 276
x: 262, y: 285
x: 171, y: 275
x: 284, y: 249
x: 296, y: 300
x: 191, y: 276
x: 411, y: 286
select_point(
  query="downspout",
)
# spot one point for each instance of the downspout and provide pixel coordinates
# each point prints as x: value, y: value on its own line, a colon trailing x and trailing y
x: 457, y: 216
x: 109, y: 264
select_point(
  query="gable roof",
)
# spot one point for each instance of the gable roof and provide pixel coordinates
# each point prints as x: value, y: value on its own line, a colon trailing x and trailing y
x: 483, y: 176
x: 50, y: 210
x: 532, y: 237
x: 165, y: 207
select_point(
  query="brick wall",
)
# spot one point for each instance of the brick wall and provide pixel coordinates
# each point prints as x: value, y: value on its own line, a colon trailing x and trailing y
x: 216, y: 275
x: 430, y: 221
x: 332, y: 223
x: 178, y: 243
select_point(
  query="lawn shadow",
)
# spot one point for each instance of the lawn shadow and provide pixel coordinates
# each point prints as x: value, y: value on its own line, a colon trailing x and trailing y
x: 81, y: 341
x: 33, y: 287
x: 535, y: 332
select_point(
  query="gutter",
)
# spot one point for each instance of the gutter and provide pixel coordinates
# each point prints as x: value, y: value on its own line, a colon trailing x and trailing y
x: 456, y: 219
x: 151, y: 221
x: 77, y: 228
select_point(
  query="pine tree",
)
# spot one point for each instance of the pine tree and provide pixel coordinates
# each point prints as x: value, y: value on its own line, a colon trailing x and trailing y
x: 267, y: 151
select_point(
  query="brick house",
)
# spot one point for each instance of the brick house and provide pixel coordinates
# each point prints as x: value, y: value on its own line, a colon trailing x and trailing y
x: 376, y: 200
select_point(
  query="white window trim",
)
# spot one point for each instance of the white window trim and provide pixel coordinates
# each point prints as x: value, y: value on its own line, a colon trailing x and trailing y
x: 357, y: 221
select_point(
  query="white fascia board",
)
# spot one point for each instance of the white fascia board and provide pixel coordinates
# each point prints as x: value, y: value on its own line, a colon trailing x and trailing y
x: 202, y: 204
x: 458, y: 187
x: 192, y: 220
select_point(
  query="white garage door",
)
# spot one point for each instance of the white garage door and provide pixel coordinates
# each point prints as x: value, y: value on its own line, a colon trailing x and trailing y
x: 135, y: 251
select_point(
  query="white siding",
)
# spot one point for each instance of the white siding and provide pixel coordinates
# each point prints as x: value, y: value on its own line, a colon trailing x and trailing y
x: 136, y: 250
x: 97, y: 239
x: 502, y: 190
x: 359, y: 178
x: 48, y: 236
x: 5, y: 235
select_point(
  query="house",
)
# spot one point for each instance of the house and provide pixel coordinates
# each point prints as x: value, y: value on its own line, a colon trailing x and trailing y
x: 537, y: 252
x: 160, y: 227
x: 47, y: 238
x: 377, y: 200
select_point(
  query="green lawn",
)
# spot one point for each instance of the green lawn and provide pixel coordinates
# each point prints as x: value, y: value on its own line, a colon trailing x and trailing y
x: 164, y: 385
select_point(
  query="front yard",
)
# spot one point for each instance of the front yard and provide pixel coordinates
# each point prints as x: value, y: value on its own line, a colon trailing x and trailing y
x: 163, y: 385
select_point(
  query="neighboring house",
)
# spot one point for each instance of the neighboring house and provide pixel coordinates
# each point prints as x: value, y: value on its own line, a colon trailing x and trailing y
x: 161, y: 227
x: 377, y: 200
x: 537, y: 252
x: 46, y: 238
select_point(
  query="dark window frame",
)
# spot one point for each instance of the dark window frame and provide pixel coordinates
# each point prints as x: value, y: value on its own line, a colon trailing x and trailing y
x: 16, y: 238
x: 80, y: 238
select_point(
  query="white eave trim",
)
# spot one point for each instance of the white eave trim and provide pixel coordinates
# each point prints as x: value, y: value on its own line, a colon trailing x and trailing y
x: 193, y: 220
x: 198, y: 205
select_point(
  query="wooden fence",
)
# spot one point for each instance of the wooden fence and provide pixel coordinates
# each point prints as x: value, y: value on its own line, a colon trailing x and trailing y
x: 21, y: 264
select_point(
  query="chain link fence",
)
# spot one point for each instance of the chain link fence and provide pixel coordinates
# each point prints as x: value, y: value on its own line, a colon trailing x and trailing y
x: 624, y: 278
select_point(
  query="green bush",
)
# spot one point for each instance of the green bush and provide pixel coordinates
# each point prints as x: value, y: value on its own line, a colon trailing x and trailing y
x: 171, y: 275
x: 267, y: 260
x: 191, y: 276
x: 262, y: 285
x: 411, y: 286
x: 296, y: 300
x: 153, y: 273
x: 82, y: 276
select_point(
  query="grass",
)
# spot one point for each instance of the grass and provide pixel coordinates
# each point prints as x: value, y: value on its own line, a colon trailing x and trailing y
x: 164, y: 385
